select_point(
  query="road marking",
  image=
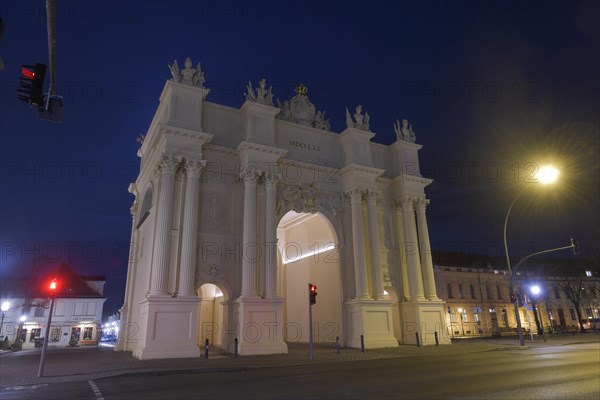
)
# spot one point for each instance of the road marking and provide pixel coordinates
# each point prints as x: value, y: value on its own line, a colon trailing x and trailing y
x: 29, y: 387
x: 97, y: 391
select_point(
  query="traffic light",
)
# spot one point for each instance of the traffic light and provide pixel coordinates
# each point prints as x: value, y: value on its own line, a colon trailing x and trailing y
x: 32, y: 84
x: 312, y: 293
x: 52, y: 287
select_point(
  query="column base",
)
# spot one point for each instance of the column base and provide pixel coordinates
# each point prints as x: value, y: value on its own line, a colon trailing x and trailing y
x: 373, y: 320
x: 168, y: 328
x: 260, y: 326
x: 426, y: 318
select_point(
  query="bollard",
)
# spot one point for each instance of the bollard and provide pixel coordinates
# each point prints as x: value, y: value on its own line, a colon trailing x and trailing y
x: 235, y: 347
x: 362, y: 343
x: 337, y: 344
x: 437, y: 340
x: 206, y: 349
x: 417, y: 335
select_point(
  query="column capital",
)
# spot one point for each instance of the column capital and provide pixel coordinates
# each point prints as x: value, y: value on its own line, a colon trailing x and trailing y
x: 373, y: 195
x: 250, y: 175
x: 421, y: 204
x: 270, y: 179
x: 193, y: 167
x: 355, y: 194
x: 167, y: 164
x: 407, y: 203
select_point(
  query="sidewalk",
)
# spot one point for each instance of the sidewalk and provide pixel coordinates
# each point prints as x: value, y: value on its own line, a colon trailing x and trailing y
x: 83, y: 363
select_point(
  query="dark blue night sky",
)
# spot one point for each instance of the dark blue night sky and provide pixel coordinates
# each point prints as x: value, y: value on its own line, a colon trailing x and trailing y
x: 492, y: 89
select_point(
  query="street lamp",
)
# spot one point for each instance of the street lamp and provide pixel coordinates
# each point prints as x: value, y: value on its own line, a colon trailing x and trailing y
x: 535, y: 291
x: 546, y: 175
x: 462, y: 325
x: 5, y: 307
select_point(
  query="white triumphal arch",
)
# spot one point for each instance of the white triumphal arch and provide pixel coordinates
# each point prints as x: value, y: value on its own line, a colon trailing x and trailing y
x: 237, y: 210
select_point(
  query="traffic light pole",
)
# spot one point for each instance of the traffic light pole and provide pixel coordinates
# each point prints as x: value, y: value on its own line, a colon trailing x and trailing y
x: 47, y: 336
x: 310, y: 330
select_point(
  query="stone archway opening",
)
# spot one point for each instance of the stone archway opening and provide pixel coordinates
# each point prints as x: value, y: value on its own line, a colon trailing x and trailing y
x: 308, y: 254
x: 210, y: 315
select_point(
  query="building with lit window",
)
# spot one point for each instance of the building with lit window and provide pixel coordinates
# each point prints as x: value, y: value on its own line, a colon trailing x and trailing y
x: 237, y: 210
x: 478, y: 301
x: 76, y: 316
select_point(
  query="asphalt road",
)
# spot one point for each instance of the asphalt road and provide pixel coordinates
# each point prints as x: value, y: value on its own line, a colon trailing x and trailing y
x: 558, y: 372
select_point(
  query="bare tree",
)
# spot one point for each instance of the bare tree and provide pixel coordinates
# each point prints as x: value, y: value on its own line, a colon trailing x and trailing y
x: 574, y: 289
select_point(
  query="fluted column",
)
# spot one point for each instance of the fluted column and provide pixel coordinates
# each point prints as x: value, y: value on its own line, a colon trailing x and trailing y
x: 358, y: 244
x: 270, y: 238
x: 413, y: 263
x: 162, y: 239
x: 374, y: 239
x: 425, y: 247
x: 402, y: 252
x: 187, y: 270
x: 249, y: 237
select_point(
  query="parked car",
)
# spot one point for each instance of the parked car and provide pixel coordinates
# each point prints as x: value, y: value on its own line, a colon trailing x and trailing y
x: 591, y: 324
x: 108, y: 339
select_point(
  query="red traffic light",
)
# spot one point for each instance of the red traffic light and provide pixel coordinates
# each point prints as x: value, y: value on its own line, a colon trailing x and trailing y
x: 32, y: 83
x: 27, y: 72
x: 312, y: 293
x: 53, y: 285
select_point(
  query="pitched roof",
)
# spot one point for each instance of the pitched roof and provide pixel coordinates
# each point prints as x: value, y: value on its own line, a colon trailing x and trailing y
x: 69, y: 285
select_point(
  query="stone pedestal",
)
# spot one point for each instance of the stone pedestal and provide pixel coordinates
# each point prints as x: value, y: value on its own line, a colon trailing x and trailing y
x: 260, y: 326
x: 372, y: 319
x: 168, y: 328
x: 425, y: 317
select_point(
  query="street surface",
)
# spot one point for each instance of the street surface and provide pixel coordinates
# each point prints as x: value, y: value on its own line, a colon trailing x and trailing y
x: 554, y: 372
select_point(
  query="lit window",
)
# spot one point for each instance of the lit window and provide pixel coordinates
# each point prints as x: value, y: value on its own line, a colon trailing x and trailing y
x: 55, y: 334
x: 35, y: 332
x: 87, y: 332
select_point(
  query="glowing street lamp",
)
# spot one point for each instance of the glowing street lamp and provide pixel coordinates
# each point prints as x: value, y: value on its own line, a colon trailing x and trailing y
x: 545, y: 175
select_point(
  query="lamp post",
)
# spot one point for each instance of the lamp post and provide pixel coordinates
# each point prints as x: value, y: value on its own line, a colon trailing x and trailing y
x: 535, y: 294
x: 52, y: 291
x: 5, y: 307
x: 545, y: 175
x: 462, y: 325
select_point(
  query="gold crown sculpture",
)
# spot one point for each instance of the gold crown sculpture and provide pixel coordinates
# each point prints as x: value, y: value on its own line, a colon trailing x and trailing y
x: 301, y: 88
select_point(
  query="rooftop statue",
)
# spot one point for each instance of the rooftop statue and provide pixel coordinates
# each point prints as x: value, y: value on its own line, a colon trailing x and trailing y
x: 321, y: 122
x: 360, y: 121
x: 262, y: 95
x: 187, y: 76
x: 405, y: 132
